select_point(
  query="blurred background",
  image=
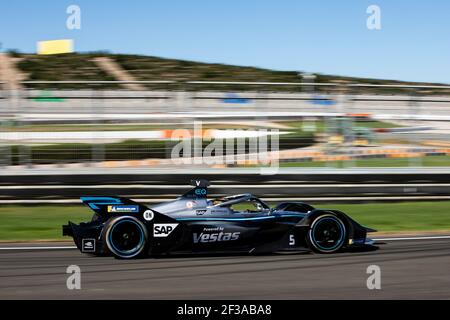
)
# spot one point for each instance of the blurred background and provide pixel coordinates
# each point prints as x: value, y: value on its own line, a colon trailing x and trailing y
x: 76, y: 119
x: 102, y: 110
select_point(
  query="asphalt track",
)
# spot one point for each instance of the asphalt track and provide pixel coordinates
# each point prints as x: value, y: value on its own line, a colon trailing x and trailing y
x: 410, y: 269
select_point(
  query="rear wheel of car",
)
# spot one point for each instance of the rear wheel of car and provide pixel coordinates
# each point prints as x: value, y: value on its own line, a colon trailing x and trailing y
x: 125, y: 237
x: 327, y: 234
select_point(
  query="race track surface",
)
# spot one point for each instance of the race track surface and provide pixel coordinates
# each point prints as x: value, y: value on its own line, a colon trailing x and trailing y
x: 410, y: 269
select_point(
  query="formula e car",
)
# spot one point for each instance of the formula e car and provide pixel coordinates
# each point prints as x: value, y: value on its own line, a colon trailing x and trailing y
x: 195, y: 224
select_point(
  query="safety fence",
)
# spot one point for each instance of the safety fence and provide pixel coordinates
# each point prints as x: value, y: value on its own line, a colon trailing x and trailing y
x: 91, y: 125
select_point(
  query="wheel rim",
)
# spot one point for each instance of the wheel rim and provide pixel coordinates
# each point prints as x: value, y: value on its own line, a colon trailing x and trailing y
x: 126, y: 238
x: 328, y: 233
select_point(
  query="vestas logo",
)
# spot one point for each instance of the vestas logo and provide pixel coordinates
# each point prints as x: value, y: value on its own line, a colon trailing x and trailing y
x: 215, y: 237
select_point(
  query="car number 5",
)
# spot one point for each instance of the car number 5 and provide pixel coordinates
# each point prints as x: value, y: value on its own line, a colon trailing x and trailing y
x: 291, y: 240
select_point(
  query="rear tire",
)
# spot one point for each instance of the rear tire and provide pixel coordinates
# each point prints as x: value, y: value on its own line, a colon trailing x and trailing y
x: 327, y: 234
x: 125, y: 237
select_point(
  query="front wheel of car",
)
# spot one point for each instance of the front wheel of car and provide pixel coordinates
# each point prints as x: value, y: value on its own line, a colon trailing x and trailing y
x: 327, y: 234
x: 125, y: 237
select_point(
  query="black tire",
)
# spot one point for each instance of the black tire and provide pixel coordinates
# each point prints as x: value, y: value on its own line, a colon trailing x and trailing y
x: 125, y: 237
x: 327, y: 234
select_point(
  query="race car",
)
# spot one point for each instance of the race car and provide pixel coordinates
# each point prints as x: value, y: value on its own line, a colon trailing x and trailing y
x: 195, y: 224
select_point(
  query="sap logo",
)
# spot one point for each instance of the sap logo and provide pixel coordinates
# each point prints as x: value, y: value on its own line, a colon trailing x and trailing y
x: 162, y: 230
x: 215, y: 237
x: 119, y: 208
x: 200, y: 192
x: 200, y: 212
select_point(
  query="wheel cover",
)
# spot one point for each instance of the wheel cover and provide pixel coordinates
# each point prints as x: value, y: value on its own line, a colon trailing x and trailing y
x: 328, y: 233
x: 126, y: 238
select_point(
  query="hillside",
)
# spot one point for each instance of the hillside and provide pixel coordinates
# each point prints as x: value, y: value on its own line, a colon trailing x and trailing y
x: 79, y: 66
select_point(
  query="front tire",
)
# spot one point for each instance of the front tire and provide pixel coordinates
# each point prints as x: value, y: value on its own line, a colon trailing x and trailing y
x: 125, y: 237
x: 327, y: 234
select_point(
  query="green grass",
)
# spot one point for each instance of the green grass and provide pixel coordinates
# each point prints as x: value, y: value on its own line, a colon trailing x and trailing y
x: 375, y: 124
x: 43, y: 222
x: 38, y: 222
x: 402, y: 216
x: 85, y: 127
x: 118, y: 151
x: 116, y: 127
x: 429, y: 161
x: 305, y: 164
x: 82, y: 152
x: 297, y: 127
x: 320, y: 125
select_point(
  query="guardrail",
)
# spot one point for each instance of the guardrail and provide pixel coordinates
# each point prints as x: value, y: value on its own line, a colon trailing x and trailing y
x: 318, y: 187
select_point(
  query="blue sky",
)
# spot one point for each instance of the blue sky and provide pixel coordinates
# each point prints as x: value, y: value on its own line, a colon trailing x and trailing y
x: 326, y: 36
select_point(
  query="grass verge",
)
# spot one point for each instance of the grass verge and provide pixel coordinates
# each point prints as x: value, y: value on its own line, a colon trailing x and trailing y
x: 428, y: 161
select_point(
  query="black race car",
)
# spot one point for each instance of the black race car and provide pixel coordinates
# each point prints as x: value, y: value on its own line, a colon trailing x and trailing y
x: 194, y: 224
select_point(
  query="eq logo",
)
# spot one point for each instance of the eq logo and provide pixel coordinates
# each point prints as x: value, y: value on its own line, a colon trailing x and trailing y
x: 200, y: 192
x: 162, y: 230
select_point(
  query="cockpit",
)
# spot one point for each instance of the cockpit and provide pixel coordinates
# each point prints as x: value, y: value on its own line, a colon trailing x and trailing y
x: 241, y: 203
x: 196, y: 203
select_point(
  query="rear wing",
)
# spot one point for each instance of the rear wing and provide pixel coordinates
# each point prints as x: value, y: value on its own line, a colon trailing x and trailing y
x: 113, y: 206
x: 103, y: 205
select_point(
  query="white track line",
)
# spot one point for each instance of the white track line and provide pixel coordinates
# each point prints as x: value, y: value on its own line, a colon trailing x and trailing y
x: 38, y: 248
x: 74, y: 247
x: 412, y: 238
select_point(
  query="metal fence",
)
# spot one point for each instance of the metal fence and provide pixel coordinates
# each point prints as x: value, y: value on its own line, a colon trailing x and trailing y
x: 57, y: 125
